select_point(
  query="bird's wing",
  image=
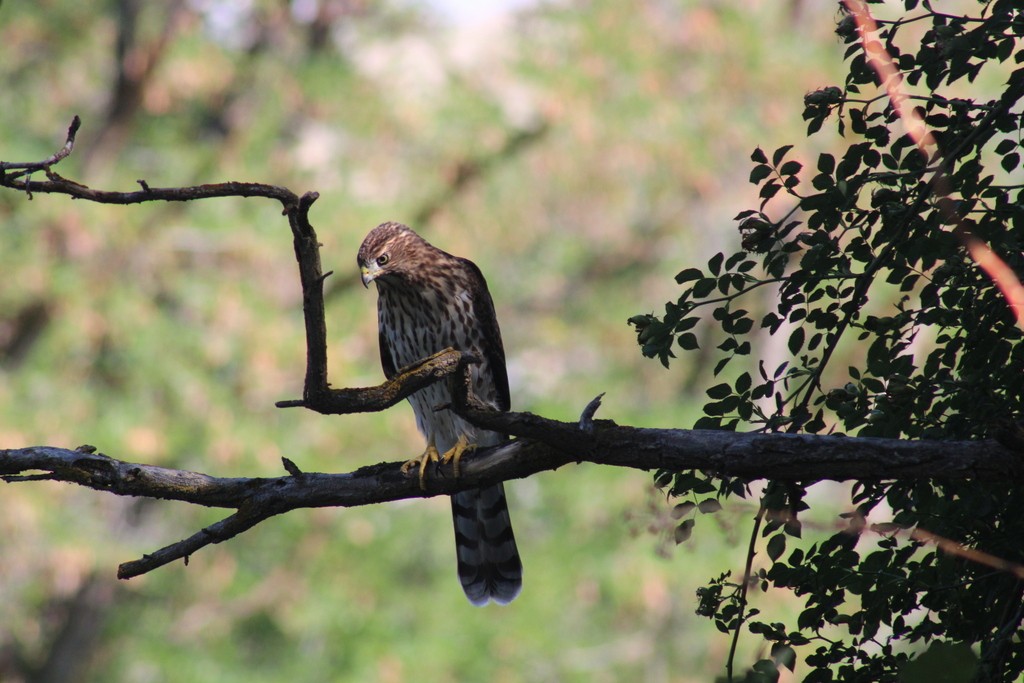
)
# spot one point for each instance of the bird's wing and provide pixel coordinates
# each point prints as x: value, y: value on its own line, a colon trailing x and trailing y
x: 492, y: 348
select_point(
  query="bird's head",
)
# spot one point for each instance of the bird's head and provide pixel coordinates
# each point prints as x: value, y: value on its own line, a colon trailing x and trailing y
x: 387, y: 252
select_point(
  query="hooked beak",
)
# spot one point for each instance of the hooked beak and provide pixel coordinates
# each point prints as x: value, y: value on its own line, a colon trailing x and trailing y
x: 369, y: 273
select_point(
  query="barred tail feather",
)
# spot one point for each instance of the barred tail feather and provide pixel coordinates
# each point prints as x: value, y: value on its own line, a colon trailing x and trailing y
x: 488, y: 560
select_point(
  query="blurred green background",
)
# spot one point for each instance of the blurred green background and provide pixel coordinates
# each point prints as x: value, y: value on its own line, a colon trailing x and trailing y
x: 581, y: 153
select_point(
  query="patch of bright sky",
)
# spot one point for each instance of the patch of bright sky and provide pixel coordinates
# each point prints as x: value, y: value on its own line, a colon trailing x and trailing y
x: 475, y: 11
x: 225, y: 16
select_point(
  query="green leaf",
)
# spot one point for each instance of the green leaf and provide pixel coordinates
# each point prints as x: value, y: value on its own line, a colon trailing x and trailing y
x: 709, y: 506
x: 715, y: 264
x: 776, y: 546
x: 733, y: 260
x: 796, y: 341
x: 791, y: 168
x: 1006, y: 145
x: 757, y: 156
x: 687, y: 341
x: 704, y: 286
x: 663, y: 479
x: 759, y: 173
x: 769, y: 190
x: 743, y: 383
x: 723, y: 407
x: 780, y: 154
x: 826, y: 163
x: 719, y: 391
x: 1011, y: 162
x: 689, y: 274
x: 684, y: 531
x: 683, y: 509
x: 687, y: 323
x: 820, y: 201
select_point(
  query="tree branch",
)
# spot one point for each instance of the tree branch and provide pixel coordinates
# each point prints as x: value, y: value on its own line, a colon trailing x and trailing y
x: 45, y: 164
x: 793, y: 457
x: 542, y: 444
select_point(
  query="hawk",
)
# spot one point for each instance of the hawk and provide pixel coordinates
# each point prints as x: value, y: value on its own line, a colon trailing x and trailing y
x: 429, y: 300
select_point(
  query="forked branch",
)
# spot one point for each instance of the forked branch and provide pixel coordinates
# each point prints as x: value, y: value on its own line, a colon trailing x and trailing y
x: 542, y: 444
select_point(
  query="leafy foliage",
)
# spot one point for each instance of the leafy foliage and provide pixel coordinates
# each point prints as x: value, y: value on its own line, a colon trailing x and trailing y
x: 867, y: 262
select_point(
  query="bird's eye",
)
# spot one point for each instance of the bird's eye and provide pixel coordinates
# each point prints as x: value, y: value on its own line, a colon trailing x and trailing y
x: 383, y: 259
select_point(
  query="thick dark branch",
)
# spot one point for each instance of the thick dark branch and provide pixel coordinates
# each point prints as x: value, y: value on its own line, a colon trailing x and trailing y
x: 783, y: 457
x: 257, y: 499
x: 374, y: 399
x: 552, y: 444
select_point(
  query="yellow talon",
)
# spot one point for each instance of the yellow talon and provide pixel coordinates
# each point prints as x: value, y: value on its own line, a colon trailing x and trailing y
x: 453, y: 455
x: 461, y: 447
x: 429, y: 455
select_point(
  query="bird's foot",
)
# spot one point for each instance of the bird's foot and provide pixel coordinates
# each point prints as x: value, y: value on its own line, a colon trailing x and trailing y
x: 428, y: 456
x: 461, y: 447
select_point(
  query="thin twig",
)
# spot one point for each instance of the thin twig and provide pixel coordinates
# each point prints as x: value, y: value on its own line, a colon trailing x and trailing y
x: 744, y: 587
x: 227, y: 528
x: 69, y: 145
